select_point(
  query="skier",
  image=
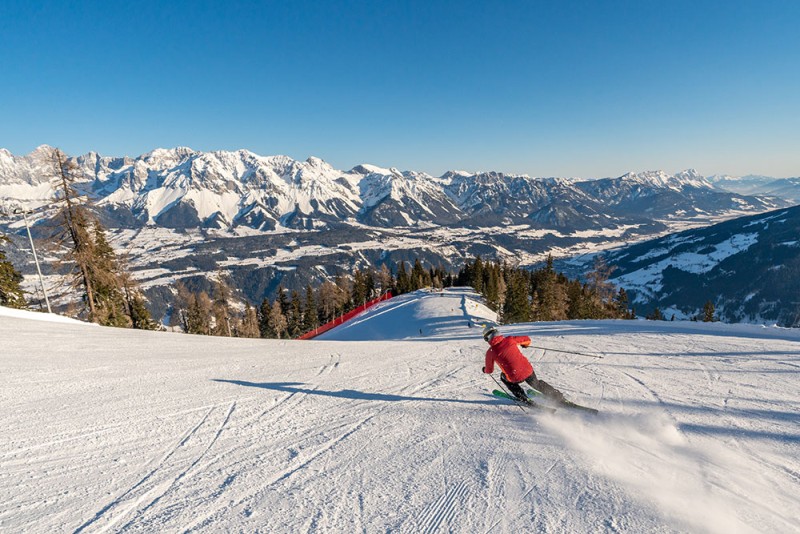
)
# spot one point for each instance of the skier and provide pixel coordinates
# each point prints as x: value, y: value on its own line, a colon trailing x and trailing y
x: 515, y: 366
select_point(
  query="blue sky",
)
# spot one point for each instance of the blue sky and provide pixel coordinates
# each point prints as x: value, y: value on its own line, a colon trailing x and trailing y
x: 590, y: 89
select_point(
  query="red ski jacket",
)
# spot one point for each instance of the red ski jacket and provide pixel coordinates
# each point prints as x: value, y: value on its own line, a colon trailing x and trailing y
x: 511, y: 361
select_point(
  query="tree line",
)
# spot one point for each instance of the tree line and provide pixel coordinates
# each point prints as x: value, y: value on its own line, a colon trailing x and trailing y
x: 522, y: 295
x: 708, y: 315
x: 293, y: 313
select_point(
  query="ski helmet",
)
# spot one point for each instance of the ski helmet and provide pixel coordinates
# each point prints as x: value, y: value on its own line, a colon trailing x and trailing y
x: 489, y: 332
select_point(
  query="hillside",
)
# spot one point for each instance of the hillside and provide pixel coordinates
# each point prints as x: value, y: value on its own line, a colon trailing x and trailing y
x: 130, y: 431
x: 748, y: 267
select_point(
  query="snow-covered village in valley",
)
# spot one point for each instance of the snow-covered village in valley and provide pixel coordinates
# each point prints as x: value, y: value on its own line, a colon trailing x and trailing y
x: 316, y: 320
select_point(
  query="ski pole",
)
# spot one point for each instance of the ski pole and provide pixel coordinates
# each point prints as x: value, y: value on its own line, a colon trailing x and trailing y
x: 506, y: 392
x: 569, y: 352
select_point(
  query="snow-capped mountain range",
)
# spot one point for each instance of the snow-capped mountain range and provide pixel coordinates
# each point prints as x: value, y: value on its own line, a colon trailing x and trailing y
x: 786, y: 188
x: 182, y: 188
x: 180, y: 213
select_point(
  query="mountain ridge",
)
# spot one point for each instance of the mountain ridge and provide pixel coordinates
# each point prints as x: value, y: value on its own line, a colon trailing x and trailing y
x: 182, y: 188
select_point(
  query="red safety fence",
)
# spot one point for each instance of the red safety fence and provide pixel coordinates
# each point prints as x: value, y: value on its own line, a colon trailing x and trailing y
x: 346, y: 317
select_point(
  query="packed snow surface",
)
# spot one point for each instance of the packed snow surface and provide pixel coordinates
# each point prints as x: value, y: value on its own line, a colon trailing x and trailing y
x: 110, y: 430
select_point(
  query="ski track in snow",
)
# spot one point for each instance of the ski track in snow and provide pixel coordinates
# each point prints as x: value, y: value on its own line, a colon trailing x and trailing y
x: 698, y: 430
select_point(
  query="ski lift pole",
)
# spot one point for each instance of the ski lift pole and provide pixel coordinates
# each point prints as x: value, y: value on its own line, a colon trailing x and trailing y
x: 36, y: 260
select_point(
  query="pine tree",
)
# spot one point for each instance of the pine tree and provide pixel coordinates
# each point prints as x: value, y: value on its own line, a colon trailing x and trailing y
x: 477, y: 275
x: 283, y: 299
x: 549, y: 269
x: 577, y: 300
x: 403, y: 283
x: 708, y: 312
x: 491, y: 290
x: 295, y: 318
x: 418, y: 276
x: 449, y: 281
x: 359, y: 291
x: 248, y: 326
x: 656, y: 315
x: 139, y: 314
x: 110, y: 303
x: 517, y: 307
x: 464, y: 275
x: 553, y: 302
x: 263, y: 317
x: 310, y: 312
x: 502, y: 288
x: 369, y: 282
x: 198, y: 320
x: 11, y: 294
x: 621, y: 304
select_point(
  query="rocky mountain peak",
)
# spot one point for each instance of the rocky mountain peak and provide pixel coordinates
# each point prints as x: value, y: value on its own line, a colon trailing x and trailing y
x: 181, y: 186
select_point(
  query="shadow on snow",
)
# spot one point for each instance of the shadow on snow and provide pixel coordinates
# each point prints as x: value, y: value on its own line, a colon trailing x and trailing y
x: 293, y: 387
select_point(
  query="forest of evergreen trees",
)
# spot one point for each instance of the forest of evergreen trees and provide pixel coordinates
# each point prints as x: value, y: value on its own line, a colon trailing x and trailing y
x: 517, y: 294
x: 521, y: 295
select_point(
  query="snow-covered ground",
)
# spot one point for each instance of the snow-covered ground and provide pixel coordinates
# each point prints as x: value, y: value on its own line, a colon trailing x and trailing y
x: 108, y: 430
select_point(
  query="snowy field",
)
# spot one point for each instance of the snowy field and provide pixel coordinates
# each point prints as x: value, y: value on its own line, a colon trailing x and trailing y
x: 389, y: 426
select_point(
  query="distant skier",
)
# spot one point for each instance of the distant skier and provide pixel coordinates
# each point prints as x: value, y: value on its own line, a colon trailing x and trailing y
x: 515, y: 366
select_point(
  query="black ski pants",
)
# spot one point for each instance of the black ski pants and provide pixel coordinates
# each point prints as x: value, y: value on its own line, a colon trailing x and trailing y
x: 539, y: 385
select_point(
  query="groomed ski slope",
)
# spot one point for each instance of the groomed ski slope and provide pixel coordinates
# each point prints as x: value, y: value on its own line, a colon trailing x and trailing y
x: 109, y: 430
